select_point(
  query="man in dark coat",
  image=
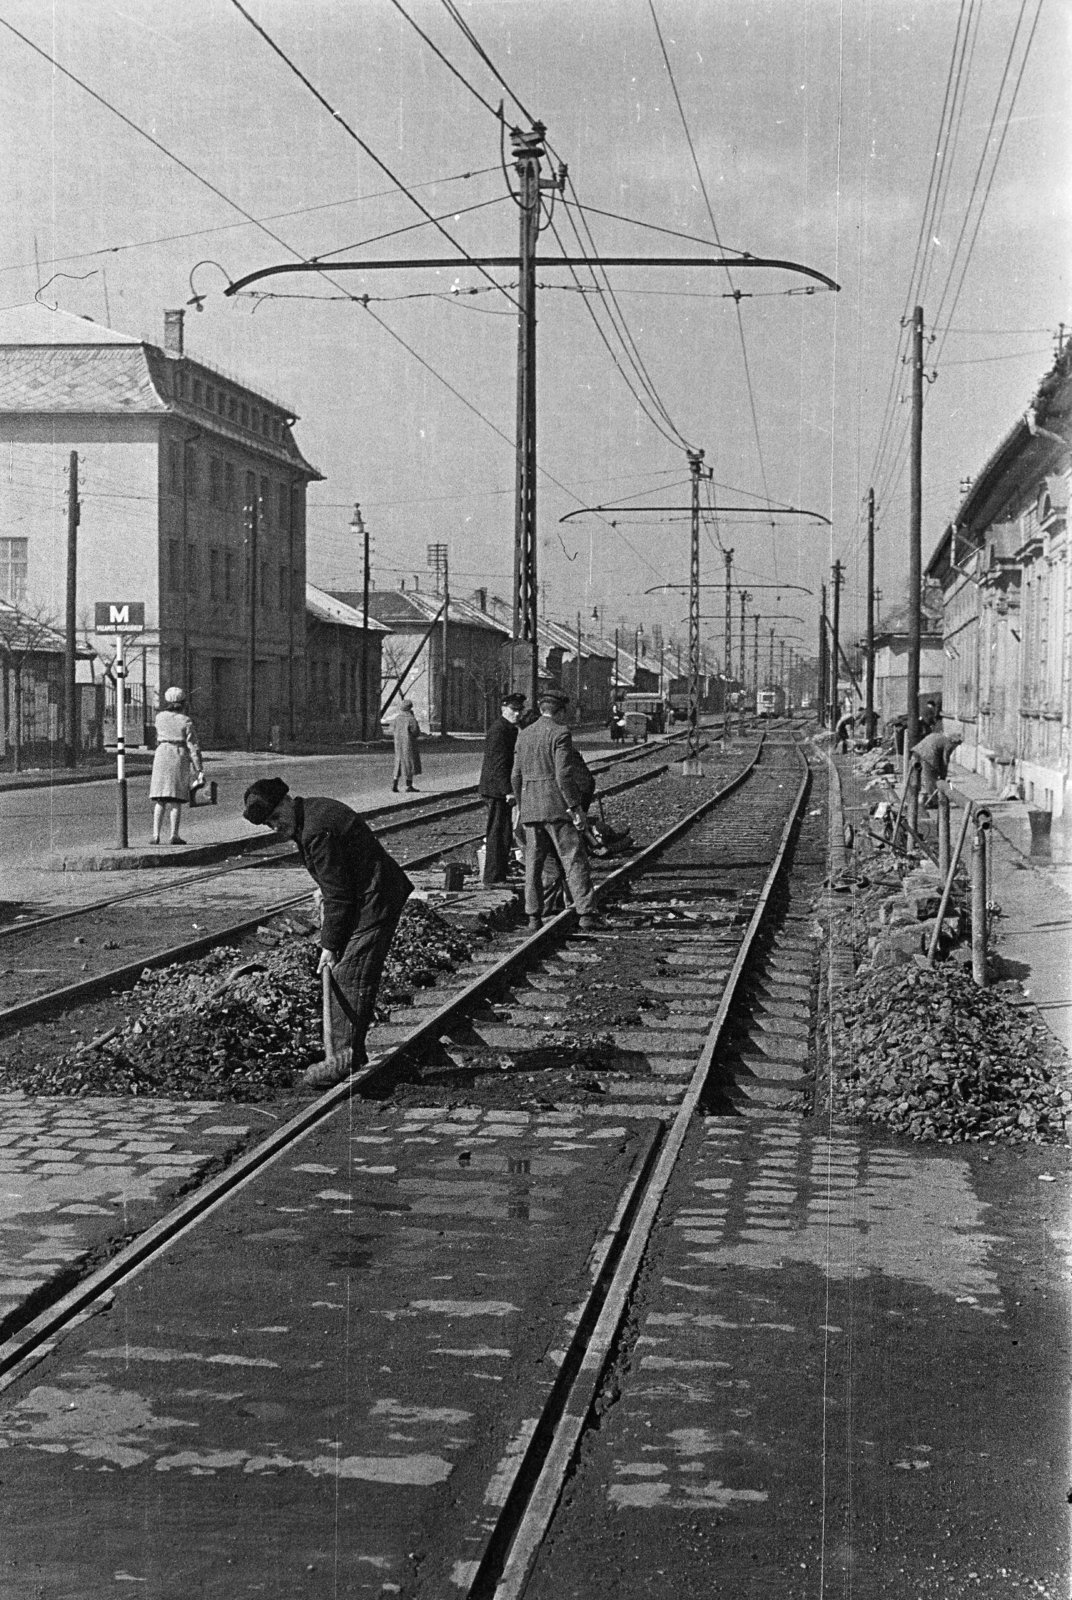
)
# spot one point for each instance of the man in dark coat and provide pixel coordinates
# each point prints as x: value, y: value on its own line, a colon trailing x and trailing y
x: 495, y: 788
x: 363, y: 891
x: 546, y: 783
x: 933, y: 753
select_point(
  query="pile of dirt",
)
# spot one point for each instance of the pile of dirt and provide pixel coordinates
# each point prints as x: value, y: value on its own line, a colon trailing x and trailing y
x: 235, y: 1025
x: 929, y: 1054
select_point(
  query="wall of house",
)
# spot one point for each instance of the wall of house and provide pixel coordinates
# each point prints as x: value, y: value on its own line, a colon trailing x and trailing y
x: 1044, y: 721
x: 208, y: 485
x: 891, y: 677
x: 334, y: 665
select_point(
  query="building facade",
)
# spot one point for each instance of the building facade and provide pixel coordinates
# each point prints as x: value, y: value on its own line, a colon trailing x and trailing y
x: 191, y: 494
x: 343, y: 669
x: 1003, y: 564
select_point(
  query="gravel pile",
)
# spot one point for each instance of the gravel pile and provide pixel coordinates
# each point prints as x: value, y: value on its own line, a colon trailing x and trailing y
x: 931, y: 1055
x: 235, y: 1025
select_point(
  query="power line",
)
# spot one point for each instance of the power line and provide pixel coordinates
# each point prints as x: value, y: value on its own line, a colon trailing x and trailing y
x: 457, y: 18
x: 447, y: 62
x: 361, y: 143
x: 230, y: 227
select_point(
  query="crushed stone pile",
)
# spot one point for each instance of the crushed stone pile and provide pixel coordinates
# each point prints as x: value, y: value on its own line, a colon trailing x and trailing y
x: 234, y: 1025
x: 929, y: 1054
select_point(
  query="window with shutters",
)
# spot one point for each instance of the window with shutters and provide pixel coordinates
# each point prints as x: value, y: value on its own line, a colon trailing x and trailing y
x: 14, y: 564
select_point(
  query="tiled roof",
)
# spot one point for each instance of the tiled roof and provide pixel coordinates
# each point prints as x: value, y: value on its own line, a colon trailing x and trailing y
x: 38, y: 324
x: 329, y: 608
x: 406, y: 610
x: 22, y: 632
x: 76, y: 379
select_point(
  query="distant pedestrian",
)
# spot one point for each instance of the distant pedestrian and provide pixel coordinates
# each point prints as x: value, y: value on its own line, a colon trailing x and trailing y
x: 407, y: 734
x: 928, y: 719
x: 177, y: 761
x: 843, y: 730
x: 933, y: 754
x: 363, y: 893
x: 495, y: 774
x: 545, y: 782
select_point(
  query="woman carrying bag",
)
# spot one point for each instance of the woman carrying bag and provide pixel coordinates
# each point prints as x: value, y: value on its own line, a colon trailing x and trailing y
x: 176, y: 762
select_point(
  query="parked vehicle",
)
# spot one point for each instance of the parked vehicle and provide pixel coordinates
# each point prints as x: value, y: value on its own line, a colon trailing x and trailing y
x: 643, y: 715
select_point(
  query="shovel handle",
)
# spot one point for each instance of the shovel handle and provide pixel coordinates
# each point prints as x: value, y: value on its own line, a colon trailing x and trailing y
x: 325, y: 1000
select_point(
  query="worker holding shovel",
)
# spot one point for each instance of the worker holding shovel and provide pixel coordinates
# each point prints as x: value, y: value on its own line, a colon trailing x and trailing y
x: 363, y: 892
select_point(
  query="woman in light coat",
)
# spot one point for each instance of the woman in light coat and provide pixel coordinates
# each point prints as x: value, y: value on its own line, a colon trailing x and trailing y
x: 177, y: 757
x: 407, y: 753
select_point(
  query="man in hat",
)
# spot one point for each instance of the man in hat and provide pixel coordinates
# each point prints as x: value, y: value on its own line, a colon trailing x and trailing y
x: 363, y: 892
x: 406, y: 734
x: 545, y: 781
x: 495, y: 772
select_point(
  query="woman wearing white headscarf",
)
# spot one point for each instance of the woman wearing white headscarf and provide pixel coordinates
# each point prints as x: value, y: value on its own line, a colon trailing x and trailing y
x: 177, y: 757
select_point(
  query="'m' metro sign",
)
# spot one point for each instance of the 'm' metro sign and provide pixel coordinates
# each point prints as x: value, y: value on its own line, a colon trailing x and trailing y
x: 119, y: 616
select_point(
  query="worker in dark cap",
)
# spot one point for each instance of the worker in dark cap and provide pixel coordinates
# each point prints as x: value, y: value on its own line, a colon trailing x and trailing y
x: 363, y: 892
x: 932, y: 754
x: 495, y: 773
x: 545, y: 781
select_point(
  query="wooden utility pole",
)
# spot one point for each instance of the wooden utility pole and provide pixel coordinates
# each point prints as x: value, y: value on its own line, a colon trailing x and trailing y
x: 745, y: 597
x: 869, y: 691
x: 251, y: 642
x: 835, y: 644
x: 358, y: 525
x: 444, y: 689
x: 578, y: 685
x: 755, y: 658
x: 727, y: 556
x: 821, y: 695
x: 70, y: 691
x: 915, y: 532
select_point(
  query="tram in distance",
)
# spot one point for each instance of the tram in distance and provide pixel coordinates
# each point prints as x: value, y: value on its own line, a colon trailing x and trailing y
x: 771, y: 703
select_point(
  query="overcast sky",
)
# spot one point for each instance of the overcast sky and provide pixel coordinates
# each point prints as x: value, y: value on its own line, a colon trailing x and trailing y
x: 814, y: 124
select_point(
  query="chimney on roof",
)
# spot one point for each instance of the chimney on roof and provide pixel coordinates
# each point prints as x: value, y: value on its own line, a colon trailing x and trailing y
x: 482, y: 599
x: 173, y: 332
x: 402, y: 585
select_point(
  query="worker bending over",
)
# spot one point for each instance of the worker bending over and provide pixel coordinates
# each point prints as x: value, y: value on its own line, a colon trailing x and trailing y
x: 363, y: 892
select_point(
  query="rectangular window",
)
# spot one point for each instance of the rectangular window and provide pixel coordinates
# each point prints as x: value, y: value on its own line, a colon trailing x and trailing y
x: 175, y: 467
x: 192, y: 573
x: 283, y: 503
x: 229, y: 490
x: 191, y: 474
x: 214, y: 574
x: 197, y: 391
x: 251, y: 493
x: 244, y: 410
x: 282, y: 588
x: 174, y: 581
x: 219, y: 401
x: 229, y: 576
x: 14, y: 561
x: 264, y: 583
x: 256, y: 420
x: 232, y: 409
x: 210, y: 396
x: 266, y: 502
x: 215, y: 481
x: 344, y: 683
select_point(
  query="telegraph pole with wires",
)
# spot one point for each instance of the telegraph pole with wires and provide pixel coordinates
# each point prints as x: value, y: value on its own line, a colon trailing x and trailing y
x: 528, y: 150
x: 835, y: 645
x: 915, y: 527
x: 823, y: 677
x: 691, y: 766
x: 755, y: 657
x: 70, y: 691
x: 745, y: 597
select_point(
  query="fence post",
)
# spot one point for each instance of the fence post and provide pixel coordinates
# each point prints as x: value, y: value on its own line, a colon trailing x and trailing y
x: 943, y: 832
x: 948, y: 888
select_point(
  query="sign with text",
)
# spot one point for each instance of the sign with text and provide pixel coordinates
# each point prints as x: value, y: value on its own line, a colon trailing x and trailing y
x: 119, y: 616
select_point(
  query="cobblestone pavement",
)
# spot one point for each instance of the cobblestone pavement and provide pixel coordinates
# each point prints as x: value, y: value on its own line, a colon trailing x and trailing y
x: 76, y: 1172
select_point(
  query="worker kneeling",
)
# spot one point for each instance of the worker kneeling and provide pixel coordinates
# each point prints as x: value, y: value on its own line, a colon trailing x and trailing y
x: 551, y: 812
x: 363, y: 890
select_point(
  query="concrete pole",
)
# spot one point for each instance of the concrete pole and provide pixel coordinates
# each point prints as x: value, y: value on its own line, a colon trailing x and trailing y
x: 869, y: 694
x: 251, y: 641
x: 821, y: 694
x: 835, y: 643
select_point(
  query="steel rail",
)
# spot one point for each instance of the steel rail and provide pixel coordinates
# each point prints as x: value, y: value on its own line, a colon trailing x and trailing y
x: 538, y: 1483
x: 31, y: 1342
x: 125, y: 976
x: 263, y: 853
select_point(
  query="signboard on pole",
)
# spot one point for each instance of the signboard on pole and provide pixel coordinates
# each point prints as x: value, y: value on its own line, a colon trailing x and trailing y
x: 119, y: 616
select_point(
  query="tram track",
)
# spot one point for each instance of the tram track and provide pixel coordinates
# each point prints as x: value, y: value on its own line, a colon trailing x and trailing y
x: 176, y: 904
x: 530, y: 1494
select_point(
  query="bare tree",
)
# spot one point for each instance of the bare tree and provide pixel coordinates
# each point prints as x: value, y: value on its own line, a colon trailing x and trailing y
x: 25, y: 632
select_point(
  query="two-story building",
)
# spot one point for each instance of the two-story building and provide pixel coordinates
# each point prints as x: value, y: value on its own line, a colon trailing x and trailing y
x: 191, y: 491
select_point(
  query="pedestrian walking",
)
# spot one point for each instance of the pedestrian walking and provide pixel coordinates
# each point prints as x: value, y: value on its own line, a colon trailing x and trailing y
x: 407, y: 733
x: 932, y: 754
x: 495, y: 774
x: 177, y: 765
x: 843, y: 730
x: 545, y: 782
x: 363, y: 892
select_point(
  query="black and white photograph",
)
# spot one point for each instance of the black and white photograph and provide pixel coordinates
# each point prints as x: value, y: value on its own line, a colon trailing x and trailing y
x: 535, y: 799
